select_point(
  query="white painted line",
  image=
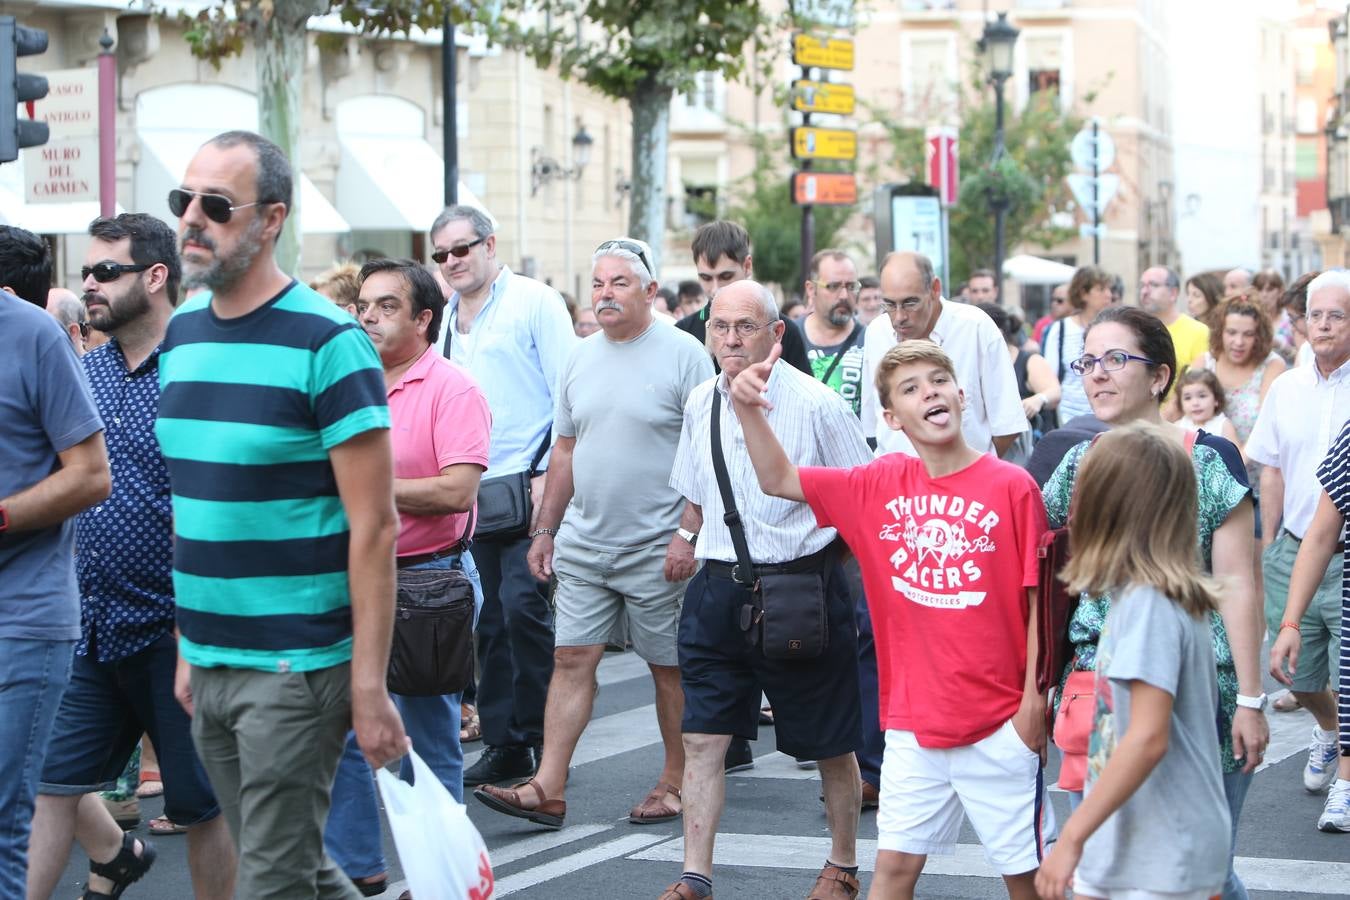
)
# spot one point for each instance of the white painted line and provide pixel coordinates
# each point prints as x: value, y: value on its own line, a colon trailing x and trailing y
x: 542, y: 843
x: 616, y: 667
x: 1290, y: 733
x: 572, y: 863
x: 777, y: 851
x: 611, y: 735
x: 777, y: 765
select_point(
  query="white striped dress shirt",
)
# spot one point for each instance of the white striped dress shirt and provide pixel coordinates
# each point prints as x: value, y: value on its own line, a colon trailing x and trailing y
x: 815, y: 427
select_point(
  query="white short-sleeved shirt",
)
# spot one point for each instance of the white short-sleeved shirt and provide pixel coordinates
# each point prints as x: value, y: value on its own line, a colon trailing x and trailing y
x: 1301, y: 416
x: 815, y: 427
x: 984, y: 372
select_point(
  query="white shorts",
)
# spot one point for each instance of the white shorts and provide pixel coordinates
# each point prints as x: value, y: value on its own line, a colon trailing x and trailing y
x: 1083, y: 889
x: 997, y: 782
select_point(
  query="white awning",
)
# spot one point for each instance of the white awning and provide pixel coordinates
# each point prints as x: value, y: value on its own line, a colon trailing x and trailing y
x: 41, y: 218
x: 164, y: 158
x: 1035, y: 270
x: 393, y: 183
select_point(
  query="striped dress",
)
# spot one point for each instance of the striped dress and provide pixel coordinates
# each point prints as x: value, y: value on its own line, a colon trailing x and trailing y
x: 1334, y: 476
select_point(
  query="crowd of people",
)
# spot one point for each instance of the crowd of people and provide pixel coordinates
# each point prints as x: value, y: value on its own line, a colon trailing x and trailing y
x: 218, y: 483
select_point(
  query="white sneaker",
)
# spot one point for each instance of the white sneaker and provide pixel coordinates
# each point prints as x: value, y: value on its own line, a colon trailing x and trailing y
x: 1322, y: 760
x: 1336, y: 814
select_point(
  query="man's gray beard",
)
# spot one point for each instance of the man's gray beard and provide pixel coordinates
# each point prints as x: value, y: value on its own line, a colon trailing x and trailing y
x: 132, y: 307
x: 839, y: 318
x: 224, y: 272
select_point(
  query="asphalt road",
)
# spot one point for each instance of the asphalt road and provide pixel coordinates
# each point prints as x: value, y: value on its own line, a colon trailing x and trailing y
x: 773, y: 838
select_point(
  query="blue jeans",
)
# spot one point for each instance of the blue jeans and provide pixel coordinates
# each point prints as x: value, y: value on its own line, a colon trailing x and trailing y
x: 1235, y: 786
x: 33, y: 676
x: 352, y: 836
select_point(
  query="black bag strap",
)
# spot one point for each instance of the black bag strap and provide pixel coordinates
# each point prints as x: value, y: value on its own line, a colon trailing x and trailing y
x: 1061, y: 350
x: 849, y: 343
x: 731, y: 516
x: 543, y: 448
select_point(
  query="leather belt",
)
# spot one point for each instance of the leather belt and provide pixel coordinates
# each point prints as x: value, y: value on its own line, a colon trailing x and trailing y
x: 1339, y: 548
x: 417, y: 559
x: 813, y: 563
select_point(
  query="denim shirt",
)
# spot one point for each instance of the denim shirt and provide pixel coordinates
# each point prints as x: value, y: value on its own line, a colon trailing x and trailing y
x: 123, y: 550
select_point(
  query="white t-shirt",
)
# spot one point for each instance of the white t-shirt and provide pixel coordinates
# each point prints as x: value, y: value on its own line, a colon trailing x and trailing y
x: 1073, y: 401
x: 1302, y: 415
x: 984, y: 371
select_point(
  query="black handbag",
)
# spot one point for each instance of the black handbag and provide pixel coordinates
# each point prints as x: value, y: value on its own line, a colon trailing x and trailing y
x: 504, y: 506
x: 432, y: 653
x: 786, y: 615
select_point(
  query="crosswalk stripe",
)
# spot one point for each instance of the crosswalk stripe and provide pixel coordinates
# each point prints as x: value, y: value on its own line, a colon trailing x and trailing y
x: 1289, y: 734
x: 777, y: 851
x: 616, y: 667
x: 573, y: 862
x: 518, y: 850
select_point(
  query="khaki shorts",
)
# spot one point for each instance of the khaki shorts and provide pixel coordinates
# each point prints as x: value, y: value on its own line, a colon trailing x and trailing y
x: 1321, y: 626
x: 597, y: 587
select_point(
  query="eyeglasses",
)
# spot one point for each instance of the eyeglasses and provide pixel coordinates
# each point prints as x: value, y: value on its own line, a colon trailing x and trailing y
x: 743, y: 329
x: 459, y: 251
x: 1333, y: 316
x: 834, y: 287
x: 1110, y: 361
x: 908, y: 306
x: 105, y: 272
x: 635, y: 249
x: 217, y: 207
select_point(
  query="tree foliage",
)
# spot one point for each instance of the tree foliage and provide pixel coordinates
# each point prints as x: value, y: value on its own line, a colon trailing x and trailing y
x: 1030, y: 176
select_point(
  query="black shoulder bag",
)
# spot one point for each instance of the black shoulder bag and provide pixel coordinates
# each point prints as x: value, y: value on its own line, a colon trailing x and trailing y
x: 432, y: 652
x: 504, y: 506
x: 786, y: 615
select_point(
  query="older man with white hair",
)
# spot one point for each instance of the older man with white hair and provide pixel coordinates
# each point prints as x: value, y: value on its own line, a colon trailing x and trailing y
x: 1304, y: 411
x: 618, y: 539
x: 724, y: 661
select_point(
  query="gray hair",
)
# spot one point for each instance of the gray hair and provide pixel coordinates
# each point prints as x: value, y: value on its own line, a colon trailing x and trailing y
x: 68, y: 308
x: 634, y: 261
x: 1331, y: 278
x: 478, y: 220
x: 275, y: 182
x: 1171, y: 279
x: 766, y: 299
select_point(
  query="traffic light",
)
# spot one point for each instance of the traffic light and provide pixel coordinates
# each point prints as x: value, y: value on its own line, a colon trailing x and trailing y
x: 15, y: 87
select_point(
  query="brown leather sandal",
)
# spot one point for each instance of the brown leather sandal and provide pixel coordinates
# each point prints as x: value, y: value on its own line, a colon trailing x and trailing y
x: 654, y: 808
x: 549, y: 813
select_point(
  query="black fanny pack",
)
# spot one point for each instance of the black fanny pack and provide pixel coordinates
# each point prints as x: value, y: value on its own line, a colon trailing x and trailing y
x: 786, y: 616
x: 432, y: 653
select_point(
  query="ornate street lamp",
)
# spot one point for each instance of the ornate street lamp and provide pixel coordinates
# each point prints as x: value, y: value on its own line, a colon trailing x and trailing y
x: 544, y: 168
x: 997, y: 41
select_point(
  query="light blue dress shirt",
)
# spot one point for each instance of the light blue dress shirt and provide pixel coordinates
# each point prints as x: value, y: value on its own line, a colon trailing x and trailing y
x: 515, y: 350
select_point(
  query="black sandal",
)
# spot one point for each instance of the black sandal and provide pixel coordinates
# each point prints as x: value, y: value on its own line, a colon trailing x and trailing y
x: 122, y: 870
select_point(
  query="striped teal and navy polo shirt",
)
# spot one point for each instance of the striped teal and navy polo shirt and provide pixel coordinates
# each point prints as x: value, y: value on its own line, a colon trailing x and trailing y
x: 249, y: 409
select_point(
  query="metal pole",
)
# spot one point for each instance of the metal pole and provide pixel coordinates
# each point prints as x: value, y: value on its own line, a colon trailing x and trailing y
x: 1096, y: 204
x: 1000, y: 207
x: 107, y: 127
x: 808, y: 239
x: 449, y: 121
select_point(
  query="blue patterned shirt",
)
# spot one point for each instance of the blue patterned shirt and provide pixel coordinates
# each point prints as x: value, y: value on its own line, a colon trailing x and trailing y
x: 124, y: 552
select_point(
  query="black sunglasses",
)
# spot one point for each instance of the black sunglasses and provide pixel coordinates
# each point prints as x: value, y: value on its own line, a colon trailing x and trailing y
x: 217, y: 207
x: 635, y: 249
x: 459, y: 251
x: 105, y: 272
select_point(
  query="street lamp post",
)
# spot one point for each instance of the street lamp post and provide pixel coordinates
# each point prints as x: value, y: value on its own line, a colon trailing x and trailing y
x: 998, y: 40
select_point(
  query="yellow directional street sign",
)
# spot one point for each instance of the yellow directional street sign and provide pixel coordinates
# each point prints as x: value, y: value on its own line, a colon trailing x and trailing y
x: 823, y: 97
x: 822, y: 53
x: 824, y: 143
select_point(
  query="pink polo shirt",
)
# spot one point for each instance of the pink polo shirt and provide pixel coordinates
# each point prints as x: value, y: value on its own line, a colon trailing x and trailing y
x: 439, y: 418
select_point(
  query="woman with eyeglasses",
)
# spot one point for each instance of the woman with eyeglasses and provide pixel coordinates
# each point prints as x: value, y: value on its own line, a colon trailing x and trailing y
x: 1089, y: 294
x: 1127, y: 366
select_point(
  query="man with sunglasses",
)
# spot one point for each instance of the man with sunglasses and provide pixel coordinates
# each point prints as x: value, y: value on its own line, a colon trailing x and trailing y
x: 122, y: 676
x: 915, y: 309
x: 513, y: 334
x: 275, y: 429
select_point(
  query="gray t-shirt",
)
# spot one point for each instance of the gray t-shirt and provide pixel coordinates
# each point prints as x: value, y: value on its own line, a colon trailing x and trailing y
x: 624, y: 404
x: 45, y: 409
x: 1173, y: 834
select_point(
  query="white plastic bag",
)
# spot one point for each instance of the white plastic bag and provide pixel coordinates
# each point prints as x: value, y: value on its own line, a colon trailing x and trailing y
x: 442, y: 853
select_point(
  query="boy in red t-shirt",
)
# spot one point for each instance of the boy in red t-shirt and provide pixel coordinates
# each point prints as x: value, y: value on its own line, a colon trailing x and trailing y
x: 947, y: 544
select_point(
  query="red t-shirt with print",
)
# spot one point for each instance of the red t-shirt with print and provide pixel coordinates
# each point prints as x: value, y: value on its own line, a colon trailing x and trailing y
x: 946, y: 563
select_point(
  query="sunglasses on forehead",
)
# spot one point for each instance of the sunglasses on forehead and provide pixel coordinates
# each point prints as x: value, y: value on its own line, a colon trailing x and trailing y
x: 459, y: 251
x: 105, y: 272
x: 216, y: 207
x: 635, y: 249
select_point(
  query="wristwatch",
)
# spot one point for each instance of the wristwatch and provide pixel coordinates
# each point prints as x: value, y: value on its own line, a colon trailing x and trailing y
x: 1257, y: 703
x: 690, y: 536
